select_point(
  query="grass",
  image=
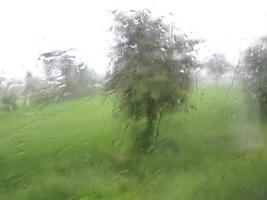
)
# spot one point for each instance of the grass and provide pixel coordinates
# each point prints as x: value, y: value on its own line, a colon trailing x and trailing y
x: 77, y: 150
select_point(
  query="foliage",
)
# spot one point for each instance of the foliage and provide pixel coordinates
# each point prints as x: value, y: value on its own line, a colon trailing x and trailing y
x: 217, y: 65
x: 254, y: 74
x: 38, y: 91
x: 9, y: 92
x: 151, y: 71
x: 65, y: 70
x: 8, y: 101
x: 65, y: 76
x: 33, y: 84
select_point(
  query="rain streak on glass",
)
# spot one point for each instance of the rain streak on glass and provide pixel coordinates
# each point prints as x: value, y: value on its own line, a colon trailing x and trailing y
x: 133, y: 100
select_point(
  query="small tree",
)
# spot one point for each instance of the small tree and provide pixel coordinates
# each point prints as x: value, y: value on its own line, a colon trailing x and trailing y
x: 65, y: 70
x: 8, y: 98
x: 33, y: 84
x: 254, y: 74
x: 9, y: 101
x: 151, y: 71
x: 217, y: 66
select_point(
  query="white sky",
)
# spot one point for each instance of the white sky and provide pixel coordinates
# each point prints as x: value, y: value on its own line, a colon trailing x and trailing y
x: 31, y: 27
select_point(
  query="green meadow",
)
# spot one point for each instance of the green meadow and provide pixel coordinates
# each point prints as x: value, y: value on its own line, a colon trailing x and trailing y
x: 79, y: 150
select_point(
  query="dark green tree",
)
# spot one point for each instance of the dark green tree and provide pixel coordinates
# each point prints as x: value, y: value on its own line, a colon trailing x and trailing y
x: 254, y: 74
x: 151, y: 71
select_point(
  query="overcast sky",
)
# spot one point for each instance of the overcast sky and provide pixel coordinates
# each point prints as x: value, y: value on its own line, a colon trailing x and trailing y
x: 31, y: 27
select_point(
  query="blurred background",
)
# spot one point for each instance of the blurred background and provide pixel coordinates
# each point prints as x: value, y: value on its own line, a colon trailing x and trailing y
x: 133, y: 99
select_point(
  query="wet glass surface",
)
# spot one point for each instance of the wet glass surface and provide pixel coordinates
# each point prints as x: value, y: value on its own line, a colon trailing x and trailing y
x: 133, y: 100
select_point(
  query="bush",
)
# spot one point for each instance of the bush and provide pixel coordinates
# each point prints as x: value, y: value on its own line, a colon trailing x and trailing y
x: 254, y: 75
x: 9, y: 102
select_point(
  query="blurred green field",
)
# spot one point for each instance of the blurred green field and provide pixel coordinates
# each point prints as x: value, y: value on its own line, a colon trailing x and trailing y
x: 78, y: 150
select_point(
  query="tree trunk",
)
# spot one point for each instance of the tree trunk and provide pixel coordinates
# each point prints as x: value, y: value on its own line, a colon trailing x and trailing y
x: 148, y: 136
x: 145, y: 140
